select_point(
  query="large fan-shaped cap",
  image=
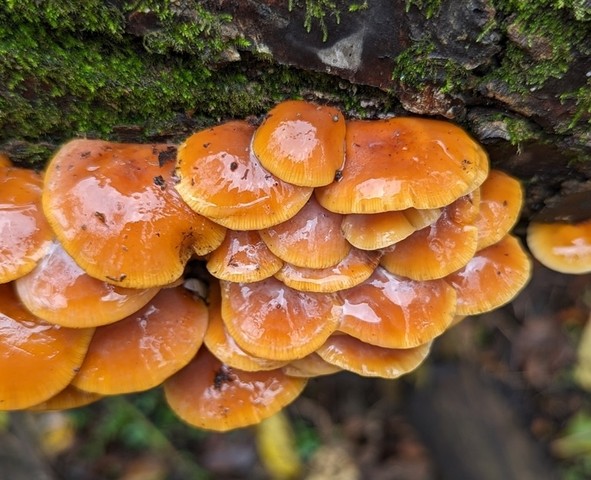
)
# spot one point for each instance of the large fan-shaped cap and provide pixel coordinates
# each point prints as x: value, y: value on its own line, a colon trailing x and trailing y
x: 368, y: 360
x: 301, y: 143
x: 60, y: 292
x: 25, y: 234
x: 211, y: 395
x: 492, y: 278
x: 221, y: 179
x: 37, y: 359
x: 115, y: 211
x: 404, y: 162
x: 270, y: 320
x: 396, y: 312
x: 144, y: 349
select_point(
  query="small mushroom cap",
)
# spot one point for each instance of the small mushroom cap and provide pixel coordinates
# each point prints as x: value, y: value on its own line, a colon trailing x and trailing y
x: 492, y: 278
x: 501, y: 197
x: 37, y: 359
x: 311, y: 239
x: 114, y: 209
x: 438, y: 249
x: 270, y: 320
x: 144, y: 349
x: 400, y: 163
x: 211, y: 395
x: 396, y: 312
x: 563, y: 247
x: 60, y: 292
x: 26, y: 235
x: 243, y: 257
x: 356, y: 267
x: 219, y: 342
x: 221, y: 179
x: 370, y: 360
x: 69, y: 397
x: 371, y: 231
x: 301, y: 143
x: 310, y: 366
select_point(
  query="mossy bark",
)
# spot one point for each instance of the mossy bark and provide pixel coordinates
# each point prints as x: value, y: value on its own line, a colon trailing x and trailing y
x: 516, y: 74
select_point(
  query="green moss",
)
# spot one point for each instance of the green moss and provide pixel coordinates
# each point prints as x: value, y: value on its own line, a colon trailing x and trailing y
x: 417, y: 65
x: 318, y: 10
x: 428, y: 8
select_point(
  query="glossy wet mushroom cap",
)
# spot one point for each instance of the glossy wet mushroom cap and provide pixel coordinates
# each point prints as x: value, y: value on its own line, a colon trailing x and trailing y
x: 60, y: 292
x: 368, y: 360
x: 400, y: 163
x: 492, y: 278
x: 438, y: 249
x: 243, y: 257
x: 114, y: 210
x: 356, y: 267
x: 37, y: 359
x: 501, y: 197
x: 69, y: 397
x: 395, y: 312
x: 210, y: 395
x: 311, y: 239
x: 25, y: 234
x: 371, y: 231
x: 144, y: 349
x: 221, y: 344
x: 221, y: 179
x: 302, y: 143
x: 270, y: 320
x: 563, y: 247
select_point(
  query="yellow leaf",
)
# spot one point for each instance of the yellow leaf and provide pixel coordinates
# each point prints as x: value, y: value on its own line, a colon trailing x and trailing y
x: 276, y: 446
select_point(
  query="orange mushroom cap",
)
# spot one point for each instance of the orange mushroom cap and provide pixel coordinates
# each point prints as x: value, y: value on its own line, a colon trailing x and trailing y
x: 270, y: 320
x: 37, y: 359
x: 221, y: 179
x: 439, y: 249
x: 368, y: 360
x: 60, y: 292
x: 311, y: 239
x: 371, y: 231
x: 144, y: 349
x: 69, y: 397
x: 211, y: 395
x: 243, y: 257
x: 302, y: 143
x: 25, y: 233
x: 501, y: 197
x: 396, y: 312
x: 400, y: 163
x: 219, y: 342
x: 492, y: 278
x: 311, y: 365
x: 115, y: 211
x: 563, y: 247
x: 356, y: 267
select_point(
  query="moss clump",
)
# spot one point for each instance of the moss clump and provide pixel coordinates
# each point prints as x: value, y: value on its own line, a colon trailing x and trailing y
x: 419, y: 64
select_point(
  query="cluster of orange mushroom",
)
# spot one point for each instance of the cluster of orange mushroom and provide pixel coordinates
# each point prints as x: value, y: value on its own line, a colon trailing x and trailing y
x: 233, y: 268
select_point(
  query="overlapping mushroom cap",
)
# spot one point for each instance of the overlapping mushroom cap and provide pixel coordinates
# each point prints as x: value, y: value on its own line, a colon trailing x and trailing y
x: 25, y: 234
x: 114, y: 210
x: 317, y: 245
